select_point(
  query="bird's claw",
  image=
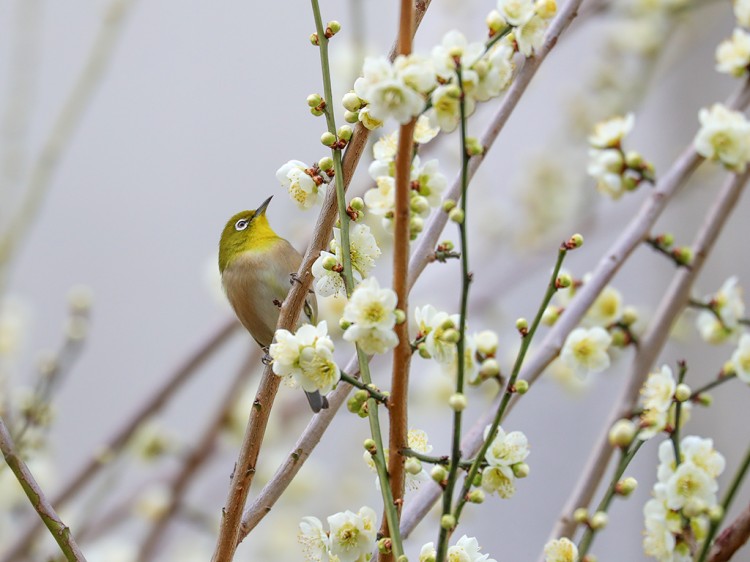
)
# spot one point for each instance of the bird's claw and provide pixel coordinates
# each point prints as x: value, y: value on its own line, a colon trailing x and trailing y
x: 266, y: 359
x: 294, y: 278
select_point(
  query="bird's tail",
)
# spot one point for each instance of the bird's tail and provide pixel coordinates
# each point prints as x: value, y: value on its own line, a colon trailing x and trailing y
x: 317, y: 402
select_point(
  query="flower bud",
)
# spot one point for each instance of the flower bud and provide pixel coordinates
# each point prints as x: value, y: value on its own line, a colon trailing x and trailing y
x: 486, y: 342
x: 694, y: 507
x: 413, y: 466
x: 447, y: 245
x: 370, y: 446
x: 683, y: 255
x: 328, y: 138
x: 581, y: 515
x: 626, y: 486
x: 705, y: 399
x: 314, y: 39
x: 344, y: 324
x: 400, y: 316
x: 329, y: 262
x: 456, y: 215
x: 419, y: 205
x: 451, y: 336
x: 667, y: 239
x: 521, y: 470
x: 622, y: 433
x: 550, y: 315
x: 316, y: 111
x: 423, y: 351
x: 457, y: 402
x: 453, y: 91
x: 351, y: 116
x: 314, y: 100
x: 357, y: 204
x: 564, y: 281
x: 325, y: 163
x: 522, y: 324
x: 384, y: 545
x: 333, y: 26
x: 351, y: 102
x: 715, y: 513
x: 633, y: 159
x: 599, y: 520
x: 629, y: 316
x: 449, y: 205
x: 576, y: 240
x: 489, y: 368
x: 416, y: 225
x: 438, y: 473
x: 474, y: 147
x: 522, y: 387
x: 682, y: 392
x: 448, y: 522
x: 476, y: 496
x: 80, y: 298
x: 345, y: 132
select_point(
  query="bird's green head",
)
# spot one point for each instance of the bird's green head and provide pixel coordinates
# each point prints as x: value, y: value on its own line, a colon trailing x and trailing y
x: 245, y: 231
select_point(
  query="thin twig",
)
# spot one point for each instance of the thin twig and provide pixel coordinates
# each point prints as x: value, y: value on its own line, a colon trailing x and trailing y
x: 59, y: 531
x: 673, y: 302
x: 398, y: 403
x: 197, y: 458
x: 115, y: 444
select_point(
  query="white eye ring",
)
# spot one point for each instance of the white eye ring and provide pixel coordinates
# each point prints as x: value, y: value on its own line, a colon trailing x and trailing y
x: 241, y: 224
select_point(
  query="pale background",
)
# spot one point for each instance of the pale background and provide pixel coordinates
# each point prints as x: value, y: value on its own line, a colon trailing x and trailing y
x: 201, y: 104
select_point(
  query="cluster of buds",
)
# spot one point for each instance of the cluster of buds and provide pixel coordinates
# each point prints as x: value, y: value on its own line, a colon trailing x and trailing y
x: 682, y: 256
x: 357, y: 403
x: 486, y: 347
x: 615, y: 170
x: 339, y: 140
x: 445, y: 251
x: 332, y: 28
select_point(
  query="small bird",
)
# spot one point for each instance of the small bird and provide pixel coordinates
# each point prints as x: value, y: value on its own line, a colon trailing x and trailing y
x: 257, y: 268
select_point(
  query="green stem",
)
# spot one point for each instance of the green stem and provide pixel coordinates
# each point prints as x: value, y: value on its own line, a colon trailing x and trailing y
x: 588, y: 535
x: 509, y: 388
x: 675, y: 436
x: 705, y: 388
x: 455, y: 460
x: 726, y: 504
x: 364, y: 365
x: 495, y: 38
x: 369, y: 388
x: 444, y: 460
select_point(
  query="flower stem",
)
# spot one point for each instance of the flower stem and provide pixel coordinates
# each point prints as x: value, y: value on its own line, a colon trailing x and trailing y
x: 588, y: 535
x: 444, y: 535
x: 364, y: 366
x: 675, y: 436
x: 509, y: 388
x: 369, y: 388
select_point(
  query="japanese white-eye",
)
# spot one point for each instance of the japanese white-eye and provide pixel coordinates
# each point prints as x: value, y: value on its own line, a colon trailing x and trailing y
x: 257, y: 268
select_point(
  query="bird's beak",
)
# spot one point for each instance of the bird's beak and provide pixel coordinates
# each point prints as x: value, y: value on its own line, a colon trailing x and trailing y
x: 262, y: 209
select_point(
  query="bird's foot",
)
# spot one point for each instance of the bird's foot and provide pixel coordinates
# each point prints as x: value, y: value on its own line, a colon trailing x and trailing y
x: 266, y: 359
x: 294, y: 278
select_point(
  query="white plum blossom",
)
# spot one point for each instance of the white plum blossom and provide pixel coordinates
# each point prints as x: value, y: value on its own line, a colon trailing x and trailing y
x: 446, y: 110
x: 495, y: 71
x: 389, y: 90
x: 314, y: 540
x: 454, y: 44
x: 516, y: 12
x: 683, y: 494
x: 424, y: 132
x: 530, y: 35
x: 418, y: 441
x: 432, y: 326
x: 306, y: 356
x: 302, y: 188
x: 466, y: 549
x: 606, y: 167
x: 730, y: 306
x: 560, y: 550
x: 733, y: 54
x: 657, y: 398
x: 506, y: 451
x: 327, y: 269
x: 606, y: 309
x: 724, y: 136
x: 380, y: 200
x: 585, y: 350
x: 352, y: 535
x: 609, y: 133
x: 742, y: 12
x: 741, y: 359
x: 371, y: 316
x: 428, y: 181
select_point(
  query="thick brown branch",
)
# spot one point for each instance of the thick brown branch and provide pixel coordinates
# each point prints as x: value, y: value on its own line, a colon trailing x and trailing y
x: 732, y: 538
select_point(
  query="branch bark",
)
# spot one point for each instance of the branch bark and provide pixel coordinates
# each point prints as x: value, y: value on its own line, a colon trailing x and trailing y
x: 732, y: 538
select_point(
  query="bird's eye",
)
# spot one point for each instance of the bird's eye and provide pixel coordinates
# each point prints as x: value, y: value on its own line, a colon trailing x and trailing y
x: 241, y: 224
